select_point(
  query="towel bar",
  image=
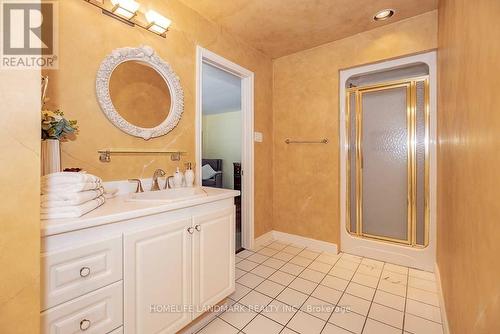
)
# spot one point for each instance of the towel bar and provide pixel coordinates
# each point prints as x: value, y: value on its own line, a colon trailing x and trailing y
x: 322, y: 141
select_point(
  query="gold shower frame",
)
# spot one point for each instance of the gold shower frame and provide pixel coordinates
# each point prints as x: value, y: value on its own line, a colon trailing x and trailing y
x: 411, y: 105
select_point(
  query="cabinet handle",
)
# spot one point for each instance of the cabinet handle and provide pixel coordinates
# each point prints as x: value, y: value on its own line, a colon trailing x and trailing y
x: 85, y: 324
x: 85, y: 271
x: 190, y: 230
x: 198, y: 228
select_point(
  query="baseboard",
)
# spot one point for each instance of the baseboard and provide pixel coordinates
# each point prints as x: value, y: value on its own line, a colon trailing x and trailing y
x: 444, y: 317
x: 314, y: 244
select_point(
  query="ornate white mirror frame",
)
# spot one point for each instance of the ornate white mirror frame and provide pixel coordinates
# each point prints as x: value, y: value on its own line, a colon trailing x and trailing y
x: 146, y: 55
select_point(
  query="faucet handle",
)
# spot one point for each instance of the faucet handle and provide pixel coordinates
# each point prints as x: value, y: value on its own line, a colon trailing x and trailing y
x: 139, y: 185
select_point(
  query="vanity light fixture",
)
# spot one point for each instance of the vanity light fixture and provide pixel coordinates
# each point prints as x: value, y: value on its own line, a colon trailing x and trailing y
x: 384, y: 14
x: 125, y: 8
x: 157, y: 22
x: 127, y: 11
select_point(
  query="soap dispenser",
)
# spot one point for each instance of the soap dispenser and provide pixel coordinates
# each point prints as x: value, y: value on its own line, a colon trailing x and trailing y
x: 178, y: 177
x: 189, y: 175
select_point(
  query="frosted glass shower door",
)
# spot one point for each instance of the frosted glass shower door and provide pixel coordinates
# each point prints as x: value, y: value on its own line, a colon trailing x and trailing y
x: 384, y: 134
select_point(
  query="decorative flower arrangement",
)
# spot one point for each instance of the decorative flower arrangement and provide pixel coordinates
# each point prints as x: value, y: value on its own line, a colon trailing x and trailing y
x: 54, y: 124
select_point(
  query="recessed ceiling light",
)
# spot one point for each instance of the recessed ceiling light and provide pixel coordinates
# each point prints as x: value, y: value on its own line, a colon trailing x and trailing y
x: 384, y: 14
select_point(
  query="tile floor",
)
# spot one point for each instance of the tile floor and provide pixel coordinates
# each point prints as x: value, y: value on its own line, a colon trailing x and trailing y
x: 283, y: 288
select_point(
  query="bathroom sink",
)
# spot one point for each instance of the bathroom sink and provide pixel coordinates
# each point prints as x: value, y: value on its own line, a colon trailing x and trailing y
x: 169, y: 195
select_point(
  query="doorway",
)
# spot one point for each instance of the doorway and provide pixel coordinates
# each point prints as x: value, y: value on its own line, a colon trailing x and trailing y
x: 224, y: 135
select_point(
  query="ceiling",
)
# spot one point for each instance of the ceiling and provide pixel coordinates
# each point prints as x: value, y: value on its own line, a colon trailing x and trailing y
x: 221, y: 91
x: 281, y: 27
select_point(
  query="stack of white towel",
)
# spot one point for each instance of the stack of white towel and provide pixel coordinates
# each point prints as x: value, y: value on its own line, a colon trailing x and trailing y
x: 70, y: 195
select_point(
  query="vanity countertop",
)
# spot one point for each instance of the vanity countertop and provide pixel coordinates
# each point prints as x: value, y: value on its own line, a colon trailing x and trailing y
x: 119, y: 208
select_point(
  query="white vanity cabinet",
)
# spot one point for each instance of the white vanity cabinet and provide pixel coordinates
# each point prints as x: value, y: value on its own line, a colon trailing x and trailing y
x: 150, y: 274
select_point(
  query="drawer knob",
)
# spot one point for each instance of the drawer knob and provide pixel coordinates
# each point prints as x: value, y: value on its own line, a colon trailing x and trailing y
x: 85, y: 324
x: 198, y: 228
x: 85, y: 271
x: 190, y: 230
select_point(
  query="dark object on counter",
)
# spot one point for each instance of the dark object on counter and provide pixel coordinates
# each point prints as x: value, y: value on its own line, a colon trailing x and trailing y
x: 75, y: 169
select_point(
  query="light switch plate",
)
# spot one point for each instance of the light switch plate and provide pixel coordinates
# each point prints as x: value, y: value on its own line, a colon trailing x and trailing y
x: 258, y: 137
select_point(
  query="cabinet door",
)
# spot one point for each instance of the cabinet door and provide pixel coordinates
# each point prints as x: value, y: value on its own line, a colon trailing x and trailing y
x: 158, y: 278
x: 213, y: 258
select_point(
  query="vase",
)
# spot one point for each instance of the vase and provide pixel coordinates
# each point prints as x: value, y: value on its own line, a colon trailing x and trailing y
x: 51, y: 156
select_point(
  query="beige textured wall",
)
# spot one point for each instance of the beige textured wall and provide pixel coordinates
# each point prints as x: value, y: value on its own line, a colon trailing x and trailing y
x: 19, y: 218
x: 87, y: 36
x: 468, y: 159
x: 306, y: 106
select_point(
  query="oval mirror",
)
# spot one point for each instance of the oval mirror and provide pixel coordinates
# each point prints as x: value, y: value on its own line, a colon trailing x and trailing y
x: 139, y: 92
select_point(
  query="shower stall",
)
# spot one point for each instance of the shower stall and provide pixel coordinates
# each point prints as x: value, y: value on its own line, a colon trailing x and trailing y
x: 387, y: 157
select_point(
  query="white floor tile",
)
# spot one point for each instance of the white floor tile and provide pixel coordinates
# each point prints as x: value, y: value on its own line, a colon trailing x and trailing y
x: 270, y: 288
x: 386, y: 315
x: 273, y: 263
x: 417, y: 325
x: 307, y: 253
x: 292, y: 250
x: 255, y: 301
x: 312, y: 275
x: 422, y: 274
x: 422, y: 284
x: 423, y: 296
x: 279, y: 312
x: 278, y: 245
x: 348, y: 320
x: 347, y: 264
x: 218, y: 326
x: 394, y: 288
x: 423, y: 310
x: 238, y: 273
x: 263, y: 271
x: 332, y: 329
x: 330, y: 259
x: 240, y: 292
x: 288, y: 331
x: 340, y: 272
x: 301, y: 261
x: 320, y: 266
x: 372, y: 263
x: 318, y: 308
x: 375, y: 327
x: 355, y: 304
x: 306, y: 323
x: 292, y: 297
x: 268, y: 251
x: 334, y: 282
x: 370, y: 270
x: 390, y: 300
x: 327, y: 294
x: 292, y: 269
x: 361, y: 291
x: 246, y: 265
x: 281, y: 278
x: 396, y: 268
x: 244, y: 254
x: 250, y: 280
x: 262, y: 325
x: 283, y: 256
x: 238, y: 316
x: 259, y: 258
x: 352, y: 258
x: 395, y: 278
x: 366, y: 280
x: 303, y: 285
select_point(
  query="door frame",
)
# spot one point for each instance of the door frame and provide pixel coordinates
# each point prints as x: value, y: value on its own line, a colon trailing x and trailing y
x: 247, y: 150
x: 421, y: 258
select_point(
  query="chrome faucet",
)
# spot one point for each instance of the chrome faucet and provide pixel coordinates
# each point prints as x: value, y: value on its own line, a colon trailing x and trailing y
x: 158, y: 173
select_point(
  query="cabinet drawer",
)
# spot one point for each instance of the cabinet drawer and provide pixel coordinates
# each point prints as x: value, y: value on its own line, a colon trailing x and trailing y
x: 97, y: 312
x: 70, y: 273
x: 117, y: 331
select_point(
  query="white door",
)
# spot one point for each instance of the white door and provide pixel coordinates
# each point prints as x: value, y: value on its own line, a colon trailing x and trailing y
x: 213, y: 258
x: 158, y: 278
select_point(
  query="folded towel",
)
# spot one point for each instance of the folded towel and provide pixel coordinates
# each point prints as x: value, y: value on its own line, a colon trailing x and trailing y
x: 53, y: 200
x: 110, y: 192
x: 71, y: 211
x: 68, y: 178
x: 71, y: 187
